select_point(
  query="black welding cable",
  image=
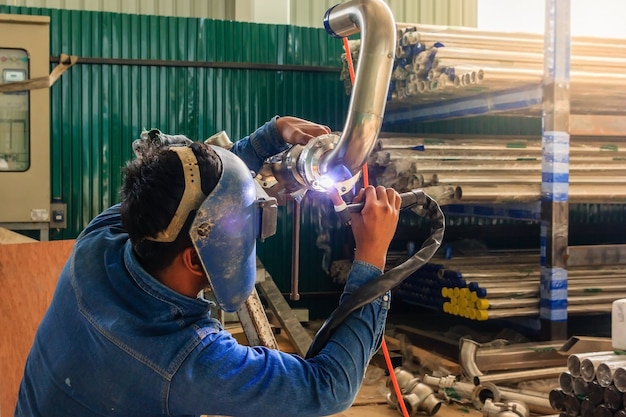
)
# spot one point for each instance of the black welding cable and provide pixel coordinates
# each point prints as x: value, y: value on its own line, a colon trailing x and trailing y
x: 386, y: 282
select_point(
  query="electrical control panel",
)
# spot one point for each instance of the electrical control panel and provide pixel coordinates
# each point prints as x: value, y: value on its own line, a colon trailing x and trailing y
x: 24, y: 124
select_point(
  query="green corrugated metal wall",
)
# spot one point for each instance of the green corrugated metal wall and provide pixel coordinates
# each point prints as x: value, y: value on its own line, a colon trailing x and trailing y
x: 98, y: 109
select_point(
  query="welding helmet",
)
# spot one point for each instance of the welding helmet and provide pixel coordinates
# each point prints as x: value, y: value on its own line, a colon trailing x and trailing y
x: 226, y: 225
x: 224, y: 233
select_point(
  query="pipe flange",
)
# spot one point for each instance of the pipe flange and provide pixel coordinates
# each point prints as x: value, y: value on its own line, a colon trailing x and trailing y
x: 284, y: 169
x: 484, y: 392
x: 309, y: 162
x: 298, y: 168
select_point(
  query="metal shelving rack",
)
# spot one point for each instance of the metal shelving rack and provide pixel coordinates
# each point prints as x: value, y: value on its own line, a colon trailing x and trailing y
x: 552, y: 98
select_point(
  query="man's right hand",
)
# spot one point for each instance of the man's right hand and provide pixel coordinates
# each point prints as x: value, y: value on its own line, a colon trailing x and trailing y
x: 375, y: 225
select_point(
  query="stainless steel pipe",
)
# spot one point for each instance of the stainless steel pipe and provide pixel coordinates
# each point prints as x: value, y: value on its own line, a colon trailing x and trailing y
x: 476, y: 358
x: 574, y: 360
x: 606, y: 370
x: 537, y: 402
x: 376, y: 23
x: 519, y: 376
x: 330, y: 160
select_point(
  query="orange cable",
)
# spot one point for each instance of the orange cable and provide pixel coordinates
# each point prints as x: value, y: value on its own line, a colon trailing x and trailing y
x: 394, y: 380
x: 392, y: 374
x: 346, y: 47
x: 366, y: 180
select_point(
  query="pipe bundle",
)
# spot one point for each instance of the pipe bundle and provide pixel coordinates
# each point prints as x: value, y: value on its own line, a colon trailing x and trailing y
x: 498, y: 170
x: 504, y: 286
x: 591, y: 386
x: 434, y: 62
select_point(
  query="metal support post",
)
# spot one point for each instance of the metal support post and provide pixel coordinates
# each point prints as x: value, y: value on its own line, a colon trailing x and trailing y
x: 555, y: 171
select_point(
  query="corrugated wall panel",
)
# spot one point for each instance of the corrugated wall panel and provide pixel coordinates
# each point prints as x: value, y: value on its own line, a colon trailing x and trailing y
x: 210, y: 9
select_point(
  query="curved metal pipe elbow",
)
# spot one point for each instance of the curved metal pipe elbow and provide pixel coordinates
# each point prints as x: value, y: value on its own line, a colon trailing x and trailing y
x: 375, y: 21
x: 467, y: 355
x: 337, y: 160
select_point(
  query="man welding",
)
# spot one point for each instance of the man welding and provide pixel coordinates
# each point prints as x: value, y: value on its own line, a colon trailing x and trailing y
x: 128, y: 332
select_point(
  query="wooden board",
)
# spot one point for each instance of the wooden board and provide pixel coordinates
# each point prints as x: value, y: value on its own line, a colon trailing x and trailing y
x: 28, y: 276
x: 9, y: 236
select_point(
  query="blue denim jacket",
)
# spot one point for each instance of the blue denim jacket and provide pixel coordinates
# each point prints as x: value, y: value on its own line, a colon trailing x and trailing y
x: 117, y: 342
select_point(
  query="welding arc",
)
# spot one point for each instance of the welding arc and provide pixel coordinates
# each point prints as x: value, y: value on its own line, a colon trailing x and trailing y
x: 372, y: 290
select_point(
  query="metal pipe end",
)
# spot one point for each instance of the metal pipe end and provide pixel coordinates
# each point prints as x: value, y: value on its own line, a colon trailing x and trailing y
x: 484, y: 392
x: 566, y: 382
x: 327, y: 27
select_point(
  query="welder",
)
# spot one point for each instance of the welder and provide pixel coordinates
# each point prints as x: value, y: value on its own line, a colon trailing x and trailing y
x: 129, y: 330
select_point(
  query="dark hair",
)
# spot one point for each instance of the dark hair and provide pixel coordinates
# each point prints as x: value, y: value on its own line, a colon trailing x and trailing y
x: 151, y: 191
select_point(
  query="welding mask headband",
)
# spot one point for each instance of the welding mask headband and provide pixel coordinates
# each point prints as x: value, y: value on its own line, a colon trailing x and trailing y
x: 192, y: 196
x: 224, y: 233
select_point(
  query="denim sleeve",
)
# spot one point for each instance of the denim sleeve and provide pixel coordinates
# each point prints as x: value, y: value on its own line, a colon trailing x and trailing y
x: 361, y: 273
x: 225, y: 378
x: 109, y: 218
x: 264, y: 142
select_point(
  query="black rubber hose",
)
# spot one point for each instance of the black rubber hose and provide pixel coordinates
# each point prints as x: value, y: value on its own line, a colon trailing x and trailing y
x: 389, y: 280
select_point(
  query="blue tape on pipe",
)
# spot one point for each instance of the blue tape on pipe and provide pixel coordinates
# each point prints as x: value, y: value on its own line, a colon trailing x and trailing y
x: 556, y: 315
x: 552, y: 177
x: 553, y: 294
x: 553, y: 304
x: 555, y: 192
x: 556, y: 146
x: 555, y: 167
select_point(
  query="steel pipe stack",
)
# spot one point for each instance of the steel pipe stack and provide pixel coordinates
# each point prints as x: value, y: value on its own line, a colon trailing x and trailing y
x: 501, y: 170
x: 434, y: 62
x: 587, y: 388
x: 504, y: 286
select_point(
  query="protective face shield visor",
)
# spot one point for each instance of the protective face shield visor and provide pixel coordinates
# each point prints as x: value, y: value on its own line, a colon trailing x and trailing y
x: 225, y: 229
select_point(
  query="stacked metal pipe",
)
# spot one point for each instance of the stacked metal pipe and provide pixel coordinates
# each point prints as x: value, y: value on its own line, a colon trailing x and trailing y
x: 497, y: 170
x: 507, y: 285
x: 441, y: 61
x: 590, y: 386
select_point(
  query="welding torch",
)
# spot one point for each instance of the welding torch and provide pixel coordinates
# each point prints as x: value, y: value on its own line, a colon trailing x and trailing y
x: 408, y: 199
x: 389, y: 280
